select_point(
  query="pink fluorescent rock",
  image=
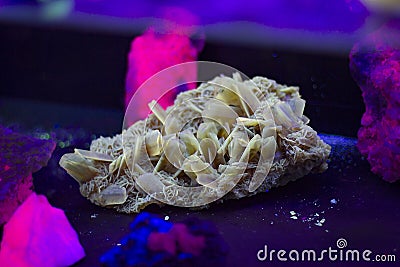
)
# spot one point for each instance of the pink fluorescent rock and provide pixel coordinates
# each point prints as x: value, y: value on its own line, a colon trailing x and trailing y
x: 177, y: 239
x: 15, y: 196
x: 157, y: 49
x: 162, y: 242
x: 187, y: 242
x: 39, y: 235
x: 375, y: 65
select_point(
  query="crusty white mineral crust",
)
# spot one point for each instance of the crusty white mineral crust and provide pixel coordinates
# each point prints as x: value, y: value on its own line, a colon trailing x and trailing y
x: 247, y: 136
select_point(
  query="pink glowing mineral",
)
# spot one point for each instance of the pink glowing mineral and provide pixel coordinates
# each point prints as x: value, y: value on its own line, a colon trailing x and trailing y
x: 178, y: 238
x: 39, y: 235
x: 160, y: 47
x: 375, y: 65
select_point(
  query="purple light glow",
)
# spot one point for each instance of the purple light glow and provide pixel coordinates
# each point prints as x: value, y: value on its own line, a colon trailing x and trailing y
x: 313, y: 15
x: 375, y: 65
x: 177, y: 238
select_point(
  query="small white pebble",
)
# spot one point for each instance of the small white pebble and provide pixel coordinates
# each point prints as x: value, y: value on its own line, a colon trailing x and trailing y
x: 293, y: 217
x: 318, y: 224
x: 333, y: 201
x: 292, y: 212
x: 322, y: 221
x: 272, y: 222
x: 166, y: 218
x: 118, y: 244
x: 94, y: 216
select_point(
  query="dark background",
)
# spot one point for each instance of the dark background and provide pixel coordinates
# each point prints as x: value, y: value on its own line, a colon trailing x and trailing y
x: 86, y: 68
x: 71, y: 80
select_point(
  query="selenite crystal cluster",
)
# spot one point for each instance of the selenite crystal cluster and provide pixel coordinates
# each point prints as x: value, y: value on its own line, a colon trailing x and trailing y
x: 229, y: 138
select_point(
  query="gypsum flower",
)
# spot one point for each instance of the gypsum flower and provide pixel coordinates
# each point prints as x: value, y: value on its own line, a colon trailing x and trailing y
x: 267, y: 154
x: 285, y: 116
x: 237, y: 146
x: 173, y: 156
x: 118, y: 164
x: 149, y: 183
x: 81, y: 164
x: 158, y: 111
x: 111, y: 195
x: 208, y: 149
x: 80, y: 168
x: 154, y: 141
x: 252, y: 147
x: 208, y: 130
x: 236, y: 93
x: 194, y: 165
x: 191, y: 143
x: 217, y: 111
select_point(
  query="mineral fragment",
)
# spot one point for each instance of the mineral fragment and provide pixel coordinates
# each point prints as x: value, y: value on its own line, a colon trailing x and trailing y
x: 156, y: 242
x: 375, y: 65
x: 20, y: 156
x: 229, y: 138
x: 39, y: 235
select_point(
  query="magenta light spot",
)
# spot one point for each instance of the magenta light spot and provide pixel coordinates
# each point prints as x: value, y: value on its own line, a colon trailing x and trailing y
x: 39, y: 235
x: 177, y: 239
x: 162, y: 242
x: 187, y: 242
x: 375, y: 65
x: 158, y: 48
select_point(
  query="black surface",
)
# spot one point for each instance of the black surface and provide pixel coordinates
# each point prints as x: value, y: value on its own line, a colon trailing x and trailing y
x: 366, y: 213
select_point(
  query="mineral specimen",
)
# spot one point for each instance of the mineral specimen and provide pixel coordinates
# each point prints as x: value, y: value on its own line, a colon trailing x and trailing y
x: 20, y: 156
x: 156, y: 242
x: 39, y: 235
x: 166, y: 44
x: 375, y: 65
x: 229, y: 138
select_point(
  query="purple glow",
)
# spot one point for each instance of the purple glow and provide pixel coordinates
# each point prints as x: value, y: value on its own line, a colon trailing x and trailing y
x: 156, y: 242
x: 313, y: 15
x: 375, y: 65
x: 177, y: 238
x: 20, y: 156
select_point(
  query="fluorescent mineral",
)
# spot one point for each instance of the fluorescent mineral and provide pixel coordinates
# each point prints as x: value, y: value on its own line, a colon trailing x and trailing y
x: 375, y: 66
x: 227, y: 139
x: 20, y: 156
x: 39, y: 235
